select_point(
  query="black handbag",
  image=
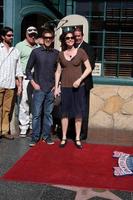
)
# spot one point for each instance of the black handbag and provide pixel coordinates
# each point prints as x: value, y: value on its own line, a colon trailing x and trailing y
x: 57, y: 100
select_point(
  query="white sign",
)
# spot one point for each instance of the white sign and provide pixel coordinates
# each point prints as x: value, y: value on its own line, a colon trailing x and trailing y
x: 97, y: 70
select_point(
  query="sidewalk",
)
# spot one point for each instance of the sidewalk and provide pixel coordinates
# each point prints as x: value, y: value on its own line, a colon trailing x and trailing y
x: 109, y: 136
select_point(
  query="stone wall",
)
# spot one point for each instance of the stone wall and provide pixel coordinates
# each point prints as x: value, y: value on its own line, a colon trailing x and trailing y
x: 111, y: 107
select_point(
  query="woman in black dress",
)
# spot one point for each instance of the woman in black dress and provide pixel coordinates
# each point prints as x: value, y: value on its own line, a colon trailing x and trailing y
x: 73, y: 99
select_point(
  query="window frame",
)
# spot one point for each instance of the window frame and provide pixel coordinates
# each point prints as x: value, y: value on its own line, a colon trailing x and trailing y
x: 102, y: 79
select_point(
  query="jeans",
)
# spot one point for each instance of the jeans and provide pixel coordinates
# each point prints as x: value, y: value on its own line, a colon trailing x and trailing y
x: 42, y: 107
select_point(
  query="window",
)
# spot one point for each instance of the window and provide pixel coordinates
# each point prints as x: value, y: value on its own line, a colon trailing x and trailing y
x: 69, y: 5
x: 111, y: 34
x: 1, y: 2
x: 55, y: 3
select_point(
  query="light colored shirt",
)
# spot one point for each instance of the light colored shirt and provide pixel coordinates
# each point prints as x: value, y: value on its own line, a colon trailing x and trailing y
x: 9, y: 66
x: 25, y: 50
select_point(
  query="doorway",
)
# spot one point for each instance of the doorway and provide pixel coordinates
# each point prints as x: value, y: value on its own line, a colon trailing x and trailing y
x: 36, y: 20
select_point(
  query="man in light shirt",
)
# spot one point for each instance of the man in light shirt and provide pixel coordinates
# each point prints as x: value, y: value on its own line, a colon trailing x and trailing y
x: 10, y: 70
x: 25, y: 47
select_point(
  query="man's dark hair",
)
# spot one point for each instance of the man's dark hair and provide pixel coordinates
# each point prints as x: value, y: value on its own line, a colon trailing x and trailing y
x: 47, y: 30
x: 5, y: 30
x: 79, y: 29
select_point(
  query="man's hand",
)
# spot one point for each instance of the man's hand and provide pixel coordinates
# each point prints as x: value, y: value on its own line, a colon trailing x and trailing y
x: 35, y: 85
x: 19, y: 90
x: 19, y: 86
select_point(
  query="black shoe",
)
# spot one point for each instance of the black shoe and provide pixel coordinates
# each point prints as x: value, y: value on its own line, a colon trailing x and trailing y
x: 63, y: 143
x: 78, y: 144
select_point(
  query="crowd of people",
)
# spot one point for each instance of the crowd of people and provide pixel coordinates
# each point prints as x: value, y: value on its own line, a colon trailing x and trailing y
x: 37, y: 74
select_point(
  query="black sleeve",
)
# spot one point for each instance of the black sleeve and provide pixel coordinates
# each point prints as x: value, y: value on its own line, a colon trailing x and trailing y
x: 91, y: 54
x: 30, y: 64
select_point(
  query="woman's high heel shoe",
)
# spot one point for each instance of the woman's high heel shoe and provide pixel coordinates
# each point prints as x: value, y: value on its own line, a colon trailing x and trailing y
x: 78, y: 144
x: 63, y: 143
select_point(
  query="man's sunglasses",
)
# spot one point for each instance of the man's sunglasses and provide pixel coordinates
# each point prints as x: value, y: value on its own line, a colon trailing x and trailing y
x: 9, y: 35
x: 32, y: 35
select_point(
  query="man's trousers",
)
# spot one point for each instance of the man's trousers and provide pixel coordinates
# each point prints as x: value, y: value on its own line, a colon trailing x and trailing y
x: 6, y: 97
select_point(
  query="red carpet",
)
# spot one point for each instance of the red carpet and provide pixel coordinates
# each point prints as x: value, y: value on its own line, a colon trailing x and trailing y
x: 90, y: 167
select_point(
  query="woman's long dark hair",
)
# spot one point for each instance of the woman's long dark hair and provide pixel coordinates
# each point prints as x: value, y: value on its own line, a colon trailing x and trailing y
x: 62, y: 39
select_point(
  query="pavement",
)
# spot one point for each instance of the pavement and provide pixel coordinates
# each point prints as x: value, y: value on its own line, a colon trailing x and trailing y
x: 11, y: 151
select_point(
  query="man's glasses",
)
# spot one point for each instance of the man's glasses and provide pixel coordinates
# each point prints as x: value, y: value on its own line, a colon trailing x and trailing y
x: 9, y: 35
x: 69, y: 38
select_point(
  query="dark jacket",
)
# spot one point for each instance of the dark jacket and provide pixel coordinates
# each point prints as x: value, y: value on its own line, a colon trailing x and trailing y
x: 90, y: 52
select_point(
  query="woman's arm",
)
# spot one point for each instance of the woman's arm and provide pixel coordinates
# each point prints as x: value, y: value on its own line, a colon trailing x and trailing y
x: 57, y: 79
x: 86, y: 72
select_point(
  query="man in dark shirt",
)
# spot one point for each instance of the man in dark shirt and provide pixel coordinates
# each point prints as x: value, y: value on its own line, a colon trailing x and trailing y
x: 80, y: 43
x: 43, y: 60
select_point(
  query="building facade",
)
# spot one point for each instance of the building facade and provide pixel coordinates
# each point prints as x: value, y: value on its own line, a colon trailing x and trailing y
x: 110, y: 33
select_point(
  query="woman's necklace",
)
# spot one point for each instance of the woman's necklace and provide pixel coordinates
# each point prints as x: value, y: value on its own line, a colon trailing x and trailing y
x: 70, y: 54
